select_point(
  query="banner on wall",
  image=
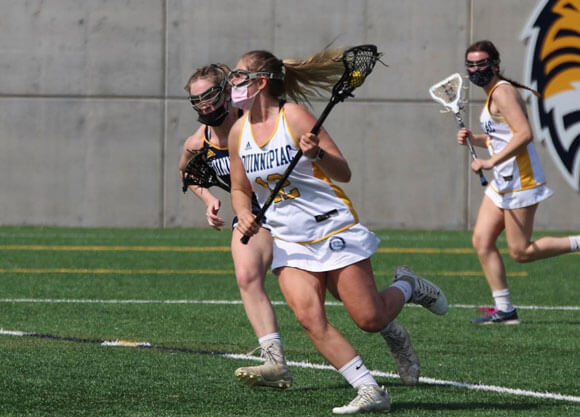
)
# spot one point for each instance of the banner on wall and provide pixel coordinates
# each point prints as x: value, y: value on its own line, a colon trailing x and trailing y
x: 553, y: 69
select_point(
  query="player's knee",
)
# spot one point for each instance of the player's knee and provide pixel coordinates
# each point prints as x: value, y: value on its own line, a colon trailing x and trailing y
x: 246, y: 278
x: 313, y: 324
x: 371, y: 322
x: 479, y: 243
x: 519, y: 254
x: 483, y: 244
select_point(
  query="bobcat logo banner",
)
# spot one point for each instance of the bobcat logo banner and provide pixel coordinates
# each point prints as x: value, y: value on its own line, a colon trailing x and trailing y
x: 553, y: 69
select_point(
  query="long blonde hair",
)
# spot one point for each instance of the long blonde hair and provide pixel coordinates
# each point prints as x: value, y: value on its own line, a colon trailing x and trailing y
x: 216, y: 73
x: 303, y: 78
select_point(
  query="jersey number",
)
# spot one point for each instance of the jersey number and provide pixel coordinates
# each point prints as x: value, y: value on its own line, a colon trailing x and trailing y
x: 274, y: 178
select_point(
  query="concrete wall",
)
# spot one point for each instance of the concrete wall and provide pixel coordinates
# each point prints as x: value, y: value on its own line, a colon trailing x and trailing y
x: 93, y: 113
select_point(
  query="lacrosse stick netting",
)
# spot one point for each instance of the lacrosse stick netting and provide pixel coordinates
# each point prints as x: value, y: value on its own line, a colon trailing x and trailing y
x: 448, y: 92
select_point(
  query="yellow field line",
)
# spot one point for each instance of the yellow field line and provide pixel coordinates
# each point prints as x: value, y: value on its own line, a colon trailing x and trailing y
x: 453, y: 251
x: 115, y: 271
x: 102, y: 248
x: 103, y: 271
x: 455, y: 273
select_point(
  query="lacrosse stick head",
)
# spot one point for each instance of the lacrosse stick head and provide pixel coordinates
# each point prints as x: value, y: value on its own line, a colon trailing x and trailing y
x: 359, y: 62
x: 198, y: 172
x: 448, y: 92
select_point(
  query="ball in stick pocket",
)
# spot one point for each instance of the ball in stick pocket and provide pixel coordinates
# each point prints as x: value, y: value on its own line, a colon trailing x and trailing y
x: 356, y: 79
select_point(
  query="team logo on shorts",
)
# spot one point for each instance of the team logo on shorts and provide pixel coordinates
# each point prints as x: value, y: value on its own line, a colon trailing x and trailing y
x: 553, y: 69
x: 336, y: 244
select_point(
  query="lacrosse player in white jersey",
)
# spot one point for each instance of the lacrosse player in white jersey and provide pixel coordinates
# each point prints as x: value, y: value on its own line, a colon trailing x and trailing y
x: 518, y: 185
x: 209, y: 94
x: 319, y: 243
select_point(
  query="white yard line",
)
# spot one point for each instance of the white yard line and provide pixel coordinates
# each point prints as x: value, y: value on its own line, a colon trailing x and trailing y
x: 424, y: 380
x: 234, y: 302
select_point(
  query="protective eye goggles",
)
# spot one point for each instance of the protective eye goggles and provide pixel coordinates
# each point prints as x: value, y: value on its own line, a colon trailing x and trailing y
x: 482, y: 63
x: 209, y: 97
x: 240, y: 78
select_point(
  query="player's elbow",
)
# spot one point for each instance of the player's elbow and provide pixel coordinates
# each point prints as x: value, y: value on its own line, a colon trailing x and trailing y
x: 345, y: 177
x: 526, y: 136
x: 342, y: 175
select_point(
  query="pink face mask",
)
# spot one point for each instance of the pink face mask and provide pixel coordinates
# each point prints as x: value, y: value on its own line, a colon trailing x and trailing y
x: 240, y: 97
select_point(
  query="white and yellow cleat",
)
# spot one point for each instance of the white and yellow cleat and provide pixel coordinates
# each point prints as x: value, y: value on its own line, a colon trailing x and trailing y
x: 267, y: 375
x: 370, y: 398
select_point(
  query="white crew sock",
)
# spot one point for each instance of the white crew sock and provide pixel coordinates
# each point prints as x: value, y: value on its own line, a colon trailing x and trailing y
x: 357, y: 374
x: 502, y: 300
x: 405, y: 288
x: 272, y: 350
x: 270, y: 337
x: 574, y: 243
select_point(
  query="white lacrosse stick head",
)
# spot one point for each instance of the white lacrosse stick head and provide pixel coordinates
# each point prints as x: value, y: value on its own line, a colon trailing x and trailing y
x: 448, y: 92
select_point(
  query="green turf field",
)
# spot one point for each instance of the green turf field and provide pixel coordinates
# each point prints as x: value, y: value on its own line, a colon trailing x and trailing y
x: 171, y: 297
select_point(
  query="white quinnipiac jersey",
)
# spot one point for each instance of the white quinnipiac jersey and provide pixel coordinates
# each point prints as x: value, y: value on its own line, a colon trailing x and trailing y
x: 520, y: 172
x: 309, y: 207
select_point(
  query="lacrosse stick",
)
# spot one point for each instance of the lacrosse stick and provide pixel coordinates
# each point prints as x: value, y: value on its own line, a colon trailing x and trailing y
x: 448, y: 92
x: 358, y: 62
x: 198, y: 172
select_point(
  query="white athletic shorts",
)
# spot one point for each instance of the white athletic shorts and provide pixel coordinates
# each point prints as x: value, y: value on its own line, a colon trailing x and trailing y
x: 519, y: 199
x: 340, y: 250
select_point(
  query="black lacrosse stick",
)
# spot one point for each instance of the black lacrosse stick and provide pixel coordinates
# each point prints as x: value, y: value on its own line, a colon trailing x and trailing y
x: 198, y: 172
x: 359, y: 62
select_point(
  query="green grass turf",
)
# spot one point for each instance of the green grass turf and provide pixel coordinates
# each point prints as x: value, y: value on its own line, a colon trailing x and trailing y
x: 77, y: 376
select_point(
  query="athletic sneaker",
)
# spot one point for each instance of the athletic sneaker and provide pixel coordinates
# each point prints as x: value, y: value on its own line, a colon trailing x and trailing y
x: 425, y: 292
x: 499, y: 317
x: 487, y: 310
x: 399, y: 343
x: 370, y: 398
x: 273, y: 373
x: 266, y: 375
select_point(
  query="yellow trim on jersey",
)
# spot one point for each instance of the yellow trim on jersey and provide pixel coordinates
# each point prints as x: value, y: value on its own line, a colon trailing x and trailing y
x: 337, y: 190
x: 213, y: 145
x: 271, y: 136
x: 524, y: 163
x: 311, y: 242
x: 495, y: 117
x: 536, y: 185
x: 296, y: 143
x: 525, y: 167
x: 488, y: 141
x: 318, y: 173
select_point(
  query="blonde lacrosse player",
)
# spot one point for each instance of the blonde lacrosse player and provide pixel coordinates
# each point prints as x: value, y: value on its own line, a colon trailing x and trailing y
x: 209, y: 94
x: 518, y: 185
x: 319, y: 243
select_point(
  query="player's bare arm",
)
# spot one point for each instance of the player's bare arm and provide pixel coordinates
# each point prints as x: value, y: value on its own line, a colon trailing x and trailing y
x: 241, y: 189
x: 507, y: 102
x: 332, y: 162
x: 213, y: 204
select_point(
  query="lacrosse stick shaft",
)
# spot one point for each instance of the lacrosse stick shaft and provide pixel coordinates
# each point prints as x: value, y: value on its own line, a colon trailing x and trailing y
x: 260, y: 216
x: 461, y: 125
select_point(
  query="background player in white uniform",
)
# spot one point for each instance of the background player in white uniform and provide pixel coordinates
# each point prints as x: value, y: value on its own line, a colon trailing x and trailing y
x: 209, y: 94
x: 319, y: 243
x: 518, y: 183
